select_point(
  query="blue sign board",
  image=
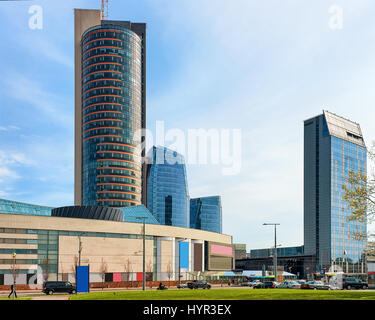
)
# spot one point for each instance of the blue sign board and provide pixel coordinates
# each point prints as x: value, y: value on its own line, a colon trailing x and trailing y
x: 83, y: 275
x: 184, y: 255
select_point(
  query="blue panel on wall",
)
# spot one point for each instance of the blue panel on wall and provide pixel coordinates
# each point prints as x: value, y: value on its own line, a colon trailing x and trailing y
x: 184, y: 254
x: 82, y: 279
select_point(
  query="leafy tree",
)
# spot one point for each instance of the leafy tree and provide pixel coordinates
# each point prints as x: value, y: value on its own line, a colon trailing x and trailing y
x: 359, y: 193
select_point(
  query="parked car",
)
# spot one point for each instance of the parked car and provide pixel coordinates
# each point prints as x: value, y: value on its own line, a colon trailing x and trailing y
x: 283, y: 285
x: 245, y: 284
x: 308, y: 285
x: 264, y: 285
x: 353, y: 283
x: 51, y: 287
x: 317, y: 285
x: 254, y: 282
x: 199, y: 284
x: 320, y: 285
x: 294, y: 285
x: 289, y: 285
x: 183, y: 285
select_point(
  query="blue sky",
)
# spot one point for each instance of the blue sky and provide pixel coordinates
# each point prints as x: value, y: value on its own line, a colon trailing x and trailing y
x: 259, y: 66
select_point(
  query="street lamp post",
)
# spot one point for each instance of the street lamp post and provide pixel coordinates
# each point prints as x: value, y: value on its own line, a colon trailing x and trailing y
x: 14, y: 275
x: 144, y: 251
x: 275, y: 249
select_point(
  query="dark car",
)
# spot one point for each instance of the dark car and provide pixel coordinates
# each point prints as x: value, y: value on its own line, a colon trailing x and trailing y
x: 199, y: 284
x: 51, y: 287
x: 353, y: 283
x: 264, y: 285
x: 183, y: 285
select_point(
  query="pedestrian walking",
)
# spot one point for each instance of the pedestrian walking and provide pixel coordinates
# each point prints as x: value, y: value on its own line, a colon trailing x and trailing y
x: 12, y: 290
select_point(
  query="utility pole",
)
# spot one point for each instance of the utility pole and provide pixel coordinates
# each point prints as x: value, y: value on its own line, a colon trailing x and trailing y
x: 144, y: 251
x: 79, y: 250
x: 275, y: 249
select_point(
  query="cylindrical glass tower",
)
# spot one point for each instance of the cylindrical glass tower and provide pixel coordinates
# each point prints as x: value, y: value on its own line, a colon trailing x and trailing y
x: 111, y: 114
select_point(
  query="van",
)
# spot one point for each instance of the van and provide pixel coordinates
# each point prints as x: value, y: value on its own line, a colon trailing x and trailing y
x: 51, y: 287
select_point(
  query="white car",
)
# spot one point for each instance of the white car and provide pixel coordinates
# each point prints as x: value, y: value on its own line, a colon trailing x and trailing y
x: 289, y: 285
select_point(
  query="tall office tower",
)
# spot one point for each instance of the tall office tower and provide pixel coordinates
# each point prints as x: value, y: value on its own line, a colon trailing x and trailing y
x: 206, y: 214
x: 167, y: 189
x: 332, y: 147
x: 110, y: 106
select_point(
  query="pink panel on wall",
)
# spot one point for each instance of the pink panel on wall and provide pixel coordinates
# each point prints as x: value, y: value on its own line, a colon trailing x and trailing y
x: 116, y: 277
x: 216, y: 249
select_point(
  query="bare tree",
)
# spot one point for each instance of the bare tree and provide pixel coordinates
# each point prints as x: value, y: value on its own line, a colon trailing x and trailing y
x: 169, y: 271
x: 128, y: 270
x: 103, y: 271
x: 15, y: 272
x: 74, y: 267
x: 45, y: 268
x: 149, y: 271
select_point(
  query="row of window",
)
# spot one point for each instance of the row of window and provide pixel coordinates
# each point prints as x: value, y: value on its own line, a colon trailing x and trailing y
x: 18, y: 261
x: 131, y: 49
x: 127, y: 110
x: 109, y: 68
x: 115, y: 99
x: 109, y: 123
x: 126, y: 43
x: 126, y: 35
x: 109, y: 82
x: 113, y: 91
x: 18, y: 241
x: 136, y: 60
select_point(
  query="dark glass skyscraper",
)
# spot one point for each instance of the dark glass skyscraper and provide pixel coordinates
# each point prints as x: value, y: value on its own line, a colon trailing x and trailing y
x: 112, y: 82
x: 332, y: 147
x: 167, y: 189
x: 205, y: 214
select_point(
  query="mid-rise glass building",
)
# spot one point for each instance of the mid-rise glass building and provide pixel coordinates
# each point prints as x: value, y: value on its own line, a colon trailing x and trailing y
x: 281, y: 252
x: 332, y: 147
x: 206, y: 214
x: 15, y: 207
x: 167, y: 188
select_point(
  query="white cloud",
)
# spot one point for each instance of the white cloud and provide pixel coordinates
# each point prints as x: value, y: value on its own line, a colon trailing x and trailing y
x: 6, y: 173
x: 48, y: 104
x: 9, y: 128
x: 45, y: 47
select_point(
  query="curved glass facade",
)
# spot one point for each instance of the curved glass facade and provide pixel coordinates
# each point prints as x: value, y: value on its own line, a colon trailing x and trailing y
x: 167, y: 190
x: 111, y: 113
x: 205, y: 214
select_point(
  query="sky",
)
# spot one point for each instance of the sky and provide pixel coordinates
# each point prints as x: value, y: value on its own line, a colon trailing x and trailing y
x: 261, y: 67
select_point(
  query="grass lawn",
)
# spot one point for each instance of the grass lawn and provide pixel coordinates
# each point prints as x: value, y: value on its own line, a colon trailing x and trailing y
x: 228, y: 294
x: 19, y: 298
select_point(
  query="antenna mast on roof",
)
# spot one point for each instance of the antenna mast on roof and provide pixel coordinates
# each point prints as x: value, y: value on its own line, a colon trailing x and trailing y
x: 104, y: 11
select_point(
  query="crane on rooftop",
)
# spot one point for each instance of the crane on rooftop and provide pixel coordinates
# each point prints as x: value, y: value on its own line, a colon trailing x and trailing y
x: 104, y: 10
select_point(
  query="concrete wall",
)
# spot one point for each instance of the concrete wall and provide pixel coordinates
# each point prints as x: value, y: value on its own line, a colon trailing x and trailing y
x: 112, y: 252
x: 83, y: 19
